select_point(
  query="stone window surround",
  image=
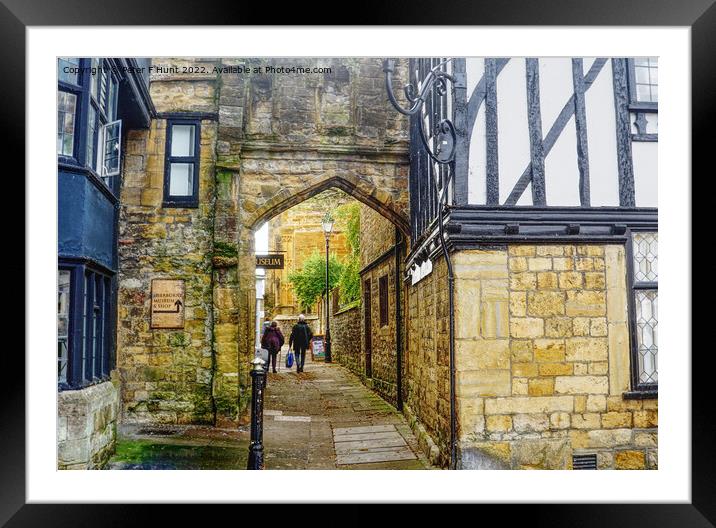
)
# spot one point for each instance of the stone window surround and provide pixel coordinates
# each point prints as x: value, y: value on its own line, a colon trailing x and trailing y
x: 189, y: 201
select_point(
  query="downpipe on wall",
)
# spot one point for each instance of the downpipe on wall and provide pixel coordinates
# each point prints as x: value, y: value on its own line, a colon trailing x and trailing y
x: 451, y: 330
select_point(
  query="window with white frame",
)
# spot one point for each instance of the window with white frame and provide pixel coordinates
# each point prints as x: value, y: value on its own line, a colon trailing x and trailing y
x: 646, y: 79
x: 104, y: 131
x: 644, y: 310
x: 68, y: 90
x: 181, y: 164
x: 643, y: 77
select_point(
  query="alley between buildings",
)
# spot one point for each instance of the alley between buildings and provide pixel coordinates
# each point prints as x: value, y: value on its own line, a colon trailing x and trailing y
x: 323, y: 418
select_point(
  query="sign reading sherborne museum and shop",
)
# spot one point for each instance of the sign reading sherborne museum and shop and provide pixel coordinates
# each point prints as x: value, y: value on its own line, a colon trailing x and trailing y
x: 167, y: 303
x: 270, y: 261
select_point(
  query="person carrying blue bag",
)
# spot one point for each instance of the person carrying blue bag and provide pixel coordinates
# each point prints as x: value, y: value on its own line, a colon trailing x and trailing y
x: 300, y: 338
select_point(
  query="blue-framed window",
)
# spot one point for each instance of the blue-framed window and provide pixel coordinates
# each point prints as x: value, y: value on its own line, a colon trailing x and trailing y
x: 88, y: 132
x: 643, y: 83
x: 69, y: 96
x: 181, y: 163
x: 85, y: 339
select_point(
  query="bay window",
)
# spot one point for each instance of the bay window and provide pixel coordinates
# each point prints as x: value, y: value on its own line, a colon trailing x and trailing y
x: 84, y: 325
x: 88, y: 131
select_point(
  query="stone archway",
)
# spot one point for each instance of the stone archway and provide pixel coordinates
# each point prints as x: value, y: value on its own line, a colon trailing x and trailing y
x: 361, y: 189
x: 245, y: 198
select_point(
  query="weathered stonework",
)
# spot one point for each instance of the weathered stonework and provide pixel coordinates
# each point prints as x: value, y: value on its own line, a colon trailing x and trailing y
x: 298, y: 233
x: 87, y: 426
x: 377, y: 259
x: 542, y: 359
x: 268, y: 142
x: 346, y: 338
x: 427, y: 361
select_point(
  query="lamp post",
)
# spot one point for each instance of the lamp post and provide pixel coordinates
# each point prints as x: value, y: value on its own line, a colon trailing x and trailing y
x: 327, y: 228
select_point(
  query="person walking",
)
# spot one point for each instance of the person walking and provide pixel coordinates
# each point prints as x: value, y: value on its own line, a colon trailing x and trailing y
x: 272, y: 340
x: 300, y: 339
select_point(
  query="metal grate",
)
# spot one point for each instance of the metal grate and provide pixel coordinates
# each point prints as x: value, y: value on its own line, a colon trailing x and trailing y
x: 584, y: 462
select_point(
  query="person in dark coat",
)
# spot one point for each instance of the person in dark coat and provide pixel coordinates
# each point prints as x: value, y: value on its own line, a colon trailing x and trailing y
x: 300, y: 339
x: 272, y: 340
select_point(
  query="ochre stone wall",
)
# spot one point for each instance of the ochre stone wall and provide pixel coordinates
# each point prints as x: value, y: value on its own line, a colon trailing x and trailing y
x: 298, y: 233
x: 382, y: 339
x: 87, y: 426
x: 377, y: 260
x: 346, y: 338
x: 427, y: 362
x: 167, y: 375
x: 542, y: 358
x: 268, y: 142
x: 377, y: 235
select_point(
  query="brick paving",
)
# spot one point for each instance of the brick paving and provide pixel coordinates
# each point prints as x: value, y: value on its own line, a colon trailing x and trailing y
x: 322, y: 418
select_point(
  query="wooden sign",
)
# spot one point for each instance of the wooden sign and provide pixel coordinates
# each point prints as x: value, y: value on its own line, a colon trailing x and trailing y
x: 167, y: 303
x: 271, y: 261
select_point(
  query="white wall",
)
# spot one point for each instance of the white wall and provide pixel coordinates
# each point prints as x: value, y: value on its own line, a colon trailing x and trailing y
x: 561, y: 168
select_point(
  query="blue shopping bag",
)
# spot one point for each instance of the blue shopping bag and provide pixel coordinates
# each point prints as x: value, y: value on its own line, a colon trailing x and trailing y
x: 289, y: 359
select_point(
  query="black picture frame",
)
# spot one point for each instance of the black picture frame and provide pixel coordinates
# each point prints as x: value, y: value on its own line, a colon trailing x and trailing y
x: 17, y: 15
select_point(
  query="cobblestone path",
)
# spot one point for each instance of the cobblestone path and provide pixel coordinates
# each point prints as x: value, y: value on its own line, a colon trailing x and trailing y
x: 322, y: 418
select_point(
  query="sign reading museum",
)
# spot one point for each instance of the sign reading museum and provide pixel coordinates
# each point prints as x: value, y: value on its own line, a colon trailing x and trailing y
x: 270, y: 261
x: 167, y: 303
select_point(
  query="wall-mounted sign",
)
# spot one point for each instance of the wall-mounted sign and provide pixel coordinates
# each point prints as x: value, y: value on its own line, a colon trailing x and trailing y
x: 270, y: 261
x: 167, y: 303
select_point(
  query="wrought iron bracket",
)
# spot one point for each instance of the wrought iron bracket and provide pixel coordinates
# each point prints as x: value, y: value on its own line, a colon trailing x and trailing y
x: 444, y: 131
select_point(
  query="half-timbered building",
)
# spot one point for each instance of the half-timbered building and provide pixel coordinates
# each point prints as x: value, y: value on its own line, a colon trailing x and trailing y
x: 532, y: 276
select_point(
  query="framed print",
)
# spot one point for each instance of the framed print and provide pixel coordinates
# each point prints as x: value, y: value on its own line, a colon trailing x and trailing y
x: 465, y: 216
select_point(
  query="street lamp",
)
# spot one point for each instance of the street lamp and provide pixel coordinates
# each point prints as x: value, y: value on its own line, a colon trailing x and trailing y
x: 327, y: 228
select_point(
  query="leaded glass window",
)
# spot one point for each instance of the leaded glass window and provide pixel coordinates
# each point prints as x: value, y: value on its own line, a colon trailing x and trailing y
x: 645, y: 276
x: 68, y: 70
x: 63, y: 323
x: 66, y: 112
x: 646, y: 76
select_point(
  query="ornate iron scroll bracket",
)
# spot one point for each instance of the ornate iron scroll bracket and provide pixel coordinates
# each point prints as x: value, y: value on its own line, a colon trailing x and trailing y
x: 443, y: 133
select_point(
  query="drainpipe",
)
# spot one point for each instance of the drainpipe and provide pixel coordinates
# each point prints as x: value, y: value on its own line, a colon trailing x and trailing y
x: 451, y: 338
x: 398, y: 321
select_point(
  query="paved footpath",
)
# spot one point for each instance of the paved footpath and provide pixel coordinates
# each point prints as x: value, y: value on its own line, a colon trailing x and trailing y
x: 322, y: 418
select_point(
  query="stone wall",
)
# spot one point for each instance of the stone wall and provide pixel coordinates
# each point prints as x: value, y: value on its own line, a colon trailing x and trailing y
x: 268, y: 142
x: 298, y: 234
x: 346, y: 338
x: 377, y: 260
x: 542, y: 358
x: 377, y: 235
x: 87, y: 426
x: 167, y: 375
x: 427, y: 362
